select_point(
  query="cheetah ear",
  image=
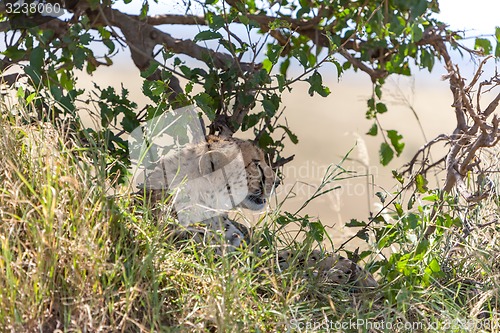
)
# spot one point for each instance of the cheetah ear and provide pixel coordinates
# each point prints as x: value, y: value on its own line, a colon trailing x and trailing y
x: 212, y: 161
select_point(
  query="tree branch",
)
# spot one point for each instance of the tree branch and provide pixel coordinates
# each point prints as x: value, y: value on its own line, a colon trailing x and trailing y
x: 467, y: 139
x: 146, y: 37
x: 308, y: 28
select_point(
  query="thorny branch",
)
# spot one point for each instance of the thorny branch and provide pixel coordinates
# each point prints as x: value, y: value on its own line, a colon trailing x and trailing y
x: 474, y: 130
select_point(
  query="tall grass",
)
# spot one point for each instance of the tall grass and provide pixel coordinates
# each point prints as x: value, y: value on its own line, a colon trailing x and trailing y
x: 76, y: 259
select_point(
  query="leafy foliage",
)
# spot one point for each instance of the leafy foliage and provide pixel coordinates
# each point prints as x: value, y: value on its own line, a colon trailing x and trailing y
x: 243, y: 78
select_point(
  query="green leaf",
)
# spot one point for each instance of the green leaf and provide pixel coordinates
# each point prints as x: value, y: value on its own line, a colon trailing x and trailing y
x: 433, y: 197
x: 337, y: 64
x: 311, y: 58
x: 497, y: 48
x: 269, y: 107
x: 144, y: 10
x: 483, y: 45
x: 386, y: 154
x: 362, y: 234
x: 150, y: 70
x: 317, y: 231
x: 434, y: 266
x: 20, y: 93
x: 316, y: 82
x: 355, y: 223
x: 281, y: 82
x: 421, y: 183
x: 110, y: 45
x: 371, y: 103
x: 79, y: 56
x: 370, y: 114
x: 267, y: 65
x: 105, y: 34
x: 207, y: 35
x: 215, y: 22
x: 249, y: 121
x: 188, y: 73
x: 270, y: 104
x: 381, y: 108
x: 14, y: 53
x: 346, y: 65
x: 30, y: 98
x: 273, y: 52
x: 265, y: 140
x: 205, y: 102
x: 373, y: 131
x: 417, y: 33
x: 34, y: 75
x: 283, y: 220
x: 189, y: 87
x: 378, y: 91
x: 399, y: 177
x: 419, y: 8
x: 334, y: 39
x: 413, y: 220
x: 290, y: 134
x: 129, y: 123
x: 411, y: 201
x: 37, y: 58
x: 304, y: 10
x: 66, y: 81
x: 422, y: 246
x: 284, y: 66
x: 244, y: 19
x: 399, y: 209
x: 427, y: 59
x: 396, y: 141
x: 153, y: 89
x: 382, y: 196
x: 85, y: 38
x: 301, y: 55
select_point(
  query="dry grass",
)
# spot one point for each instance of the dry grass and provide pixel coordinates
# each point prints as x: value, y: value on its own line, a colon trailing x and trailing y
x: 76, y: 260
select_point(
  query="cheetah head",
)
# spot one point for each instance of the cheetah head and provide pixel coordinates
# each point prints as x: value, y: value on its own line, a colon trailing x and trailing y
x: 260, y: 177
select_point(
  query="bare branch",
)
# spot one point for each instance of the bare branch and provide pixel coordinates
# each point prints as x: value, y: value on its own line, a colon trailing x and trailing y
x: 174, y: 19
x: 481, y: 141
x: 282, y: 161
x: 467, y: 139
x: 478, y: 74
x: 146, y: 37
x: 308, y: 28
x: 421, y: 150
x: 461, y: 187
x: 492, y: 106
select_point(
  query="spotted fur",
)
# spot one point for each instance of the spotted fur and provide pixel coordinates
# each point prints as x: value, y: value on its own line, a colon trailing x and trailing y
x: 220, y: 231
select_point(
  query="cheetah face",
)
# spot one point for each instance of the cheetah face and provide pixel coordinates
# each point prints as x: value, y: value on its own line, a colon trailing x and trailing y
x: 261, y: 178
x: 214, y: 177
